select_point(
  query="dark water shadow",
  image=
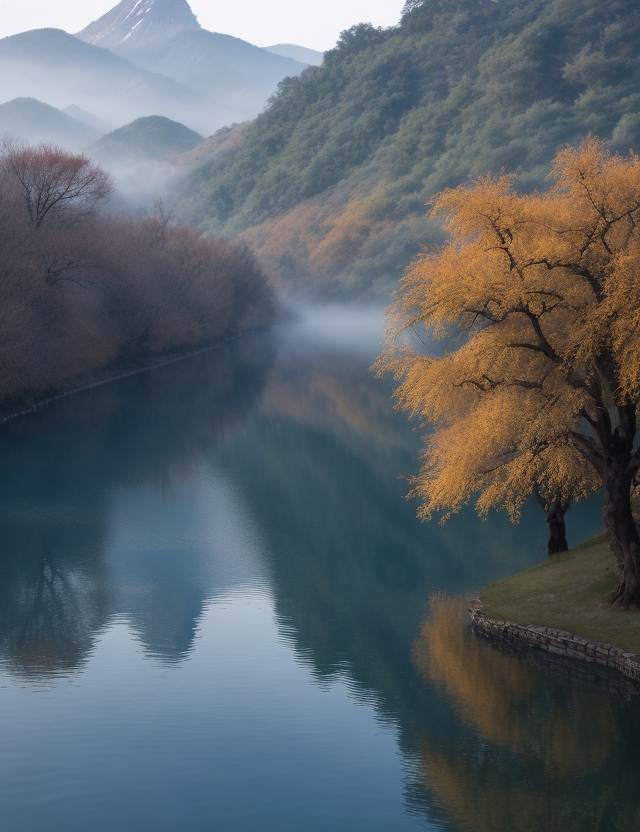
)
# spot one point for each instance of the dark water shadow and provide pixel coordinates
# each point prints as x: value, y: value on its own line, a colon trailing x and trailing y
x: 530, y: 751
x: 352, y: 569
x: 60, y: 469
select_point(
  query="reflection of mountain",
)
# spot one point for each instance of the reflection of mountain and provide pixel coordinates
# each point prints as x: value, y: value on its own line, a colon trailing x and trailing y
x: 65, y: 470
x: 143, y: 499
x: 542, y: 755
x: 170, y: 552
x: 351, y: 567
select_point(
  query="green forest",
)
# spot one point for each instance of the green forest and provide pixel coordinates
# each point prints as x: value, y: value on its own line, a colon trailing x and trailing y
x: 329, y: 184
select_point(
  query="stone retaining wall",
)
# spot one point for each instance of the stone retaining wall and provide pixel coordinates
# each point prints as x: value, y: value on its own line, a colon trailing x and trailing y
x: 559, y: 642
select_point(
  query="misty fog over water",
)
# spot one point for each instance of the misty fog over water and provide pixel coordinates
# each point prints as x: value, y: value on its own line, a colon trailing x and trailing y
x: 211, y: 602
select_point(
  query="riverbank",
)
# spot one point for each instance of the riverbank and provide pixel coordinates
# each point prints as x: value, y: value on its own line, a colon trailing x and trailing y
x: 562, y: 606
x: 121, y: 369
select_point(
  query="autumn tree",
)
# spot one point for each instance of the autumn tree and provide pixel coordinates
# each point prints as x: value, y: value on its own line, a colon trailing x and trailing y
x: 81, y: 291
x: 542, y: 393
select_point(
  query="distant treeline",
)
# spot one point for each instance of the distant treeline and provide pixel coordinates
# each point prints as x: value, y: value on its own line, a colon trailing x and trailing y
x: 330, y: 183
x: 82, y: 291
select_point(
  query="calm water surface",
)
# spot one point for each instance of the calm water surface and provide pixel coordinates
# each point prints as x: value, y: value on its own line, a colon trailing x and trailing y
x: 212, y: 617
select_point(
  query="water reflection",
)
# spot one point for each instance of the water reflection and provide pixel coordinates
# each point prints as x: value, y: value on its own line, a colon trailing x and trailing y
x: 52, y: 601
x: 76, y: 471
x: 274, y: 462
x: 541, y: 754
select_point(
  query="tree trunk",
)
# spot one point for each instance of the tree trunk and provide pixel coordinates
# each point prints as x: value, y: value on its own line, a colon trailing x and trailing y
x: 622, y: 536
x: 557, y: 531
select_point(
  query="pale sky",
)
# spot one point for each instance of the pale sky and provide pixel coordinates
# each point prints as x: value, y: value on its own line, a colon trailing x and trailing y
x: 312, y: 23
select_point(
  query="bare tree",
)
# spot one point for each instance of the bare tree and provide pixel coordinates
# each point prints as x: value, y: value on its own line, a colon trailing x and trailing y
x: 164, y: 214
x: 50, y: 177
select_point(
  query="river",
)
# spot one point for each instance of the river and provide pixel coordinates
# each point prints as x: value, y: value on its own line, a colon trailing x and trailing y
x: 214, y: 615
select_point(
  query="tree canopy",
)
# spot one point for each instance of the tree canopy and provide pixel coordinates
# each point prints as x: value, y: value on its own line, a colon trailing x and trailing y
x: 50, y: 178
x: 542, y: 392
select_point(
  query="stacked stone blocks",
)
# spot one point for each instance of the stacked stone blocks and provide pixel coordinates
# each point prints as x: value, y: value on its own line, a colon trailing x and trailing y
x: 559, y: 642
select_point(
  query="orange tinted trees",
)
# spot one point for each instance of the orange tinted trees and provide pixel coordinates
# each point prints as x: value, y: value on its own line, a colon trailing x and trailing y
x: 81, y: 291
x: 543, y: 392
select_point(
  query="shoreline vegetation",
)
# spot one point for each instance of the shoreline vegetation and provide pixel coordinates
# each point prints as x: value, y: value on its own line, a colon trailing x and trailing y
x: 89, y: 296
x: 106, y: 375
x: 569, y: 592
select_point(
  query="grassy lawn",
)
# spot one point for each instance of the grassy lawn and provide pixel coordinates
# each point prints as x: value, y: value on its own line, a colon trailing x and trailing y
x: 569, y: 592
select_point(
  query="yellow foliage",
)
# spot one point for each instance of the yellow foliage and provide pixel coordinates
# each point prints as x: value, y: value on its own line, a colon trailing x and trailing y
x: 544, y: 290
x: 499, y: 697
x: 321, y: 238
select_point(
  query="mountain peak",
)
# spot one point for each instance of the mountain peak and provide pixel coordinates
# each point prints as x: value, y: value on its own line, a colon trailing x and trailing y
x: 141, y: 21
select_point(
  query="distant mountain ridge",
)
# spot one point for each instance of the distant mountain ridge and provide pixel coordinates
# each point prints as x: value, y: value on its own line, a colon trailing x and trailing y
x: 164, y: 36
x: 88, y: 118
x: 32, y: 121
x: 143, y: 58
x: 151, y: 137
x: 59, y: 69
x: 298, y: 53
x: 145, y: 20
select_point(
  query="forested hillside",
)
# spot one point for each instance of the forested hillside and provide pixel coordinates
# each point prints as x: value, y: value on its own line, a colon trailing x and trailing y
x: 330, y: 183
x: 149, y: 137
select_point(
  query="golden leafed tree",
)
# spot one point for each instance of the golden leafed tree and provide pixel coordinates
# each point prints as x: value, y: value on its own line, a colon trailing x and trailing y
x: 541, y: 396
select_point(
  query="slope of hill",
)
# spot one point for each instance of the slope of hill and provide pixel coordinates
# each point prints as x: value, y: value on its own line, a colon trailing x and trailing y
x: 88, y: 118
x: 164, y: 36
x: 34, y: 122
x: 330, y: 183
x: 59, y: 69
x: 149, y: 137
x: 299, y: 53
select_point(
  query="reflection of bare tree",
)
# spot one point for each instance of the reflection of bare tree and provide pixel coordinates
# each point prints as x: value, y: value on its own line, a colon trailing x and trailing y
x: 41, y: 637
x: 51, y: 612
x: 544, y: 755
x: 59, y: 469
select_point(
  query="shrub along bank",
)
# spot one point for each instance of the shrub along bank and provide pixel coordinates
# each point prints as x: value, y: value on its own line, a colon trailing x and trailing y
x: 82, y: 292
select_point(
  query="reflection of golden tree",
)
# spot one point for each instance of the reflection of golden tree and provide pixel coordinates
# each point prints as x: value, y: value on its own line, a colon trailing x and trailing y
x: 557, y: 739
x: 499, y: 697
x: 482, y: 797
x: 483, y: 684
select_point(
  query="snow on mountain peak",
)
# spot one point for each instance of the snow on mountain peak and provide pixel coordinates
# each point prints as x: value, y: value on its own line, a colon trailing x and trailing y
x: 143, y: 21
